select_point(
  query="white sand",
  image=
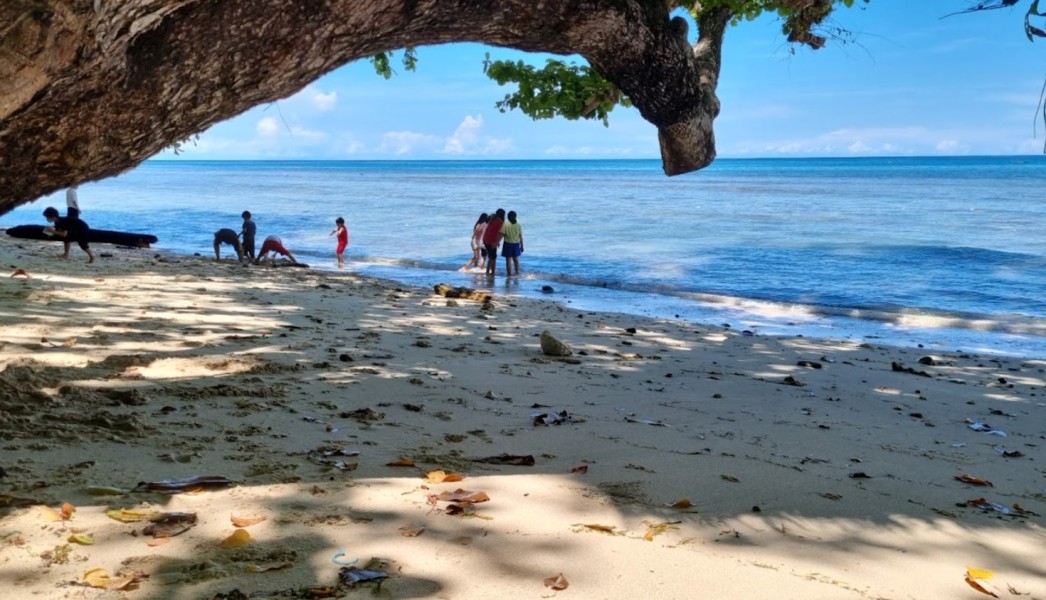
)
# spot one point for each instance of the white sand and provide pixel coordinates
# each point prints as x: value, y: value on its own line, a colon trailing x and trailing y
x: 137, y: 370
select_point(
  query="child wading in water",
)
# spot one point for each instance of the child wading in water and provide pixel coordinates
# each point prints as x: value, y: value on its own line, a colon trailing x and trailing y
x: 343, y: 239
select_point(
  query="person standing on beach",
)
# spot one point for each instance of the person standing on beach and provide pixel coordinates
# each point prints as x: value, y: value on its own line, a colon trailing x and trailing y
x: 343, y: 240
x: 491, y: 238
x: 70, y: 229
x: 477, y: 243
x: 512, y: 234
x: 227, y: 236
x: 72, y: 204
x: 275, y: 245
x: 250, y: 228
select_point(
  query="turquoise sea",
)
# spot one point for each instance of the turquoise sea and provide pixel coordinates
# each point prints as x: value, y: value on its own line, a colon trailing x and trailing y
x: 946, y: 253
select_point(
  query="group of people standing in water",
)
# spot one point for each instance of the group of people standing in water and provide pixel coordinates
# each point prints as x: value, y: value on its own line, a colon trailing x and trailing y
x: 490, y: 232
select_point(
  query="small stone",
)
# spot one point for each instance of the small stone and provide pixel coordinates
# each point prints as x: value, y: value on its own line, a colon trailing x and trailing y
x: 550, y: 346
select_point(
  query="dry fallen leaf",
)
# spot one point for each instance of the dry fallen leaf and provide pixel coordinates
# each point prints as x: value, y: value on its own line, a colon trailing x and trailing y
x: 977, y: 579
x: 682, y: 503
x: 580, y: 469
x: 557, y: 582
x: 598, y: 527
x: 81, y: 538
x: 273, y: 566
x: 463, y: 496
x: 403, y: 462
x: 441, y: 476
x: 98, y: 578
x: 158, y: 541
x: 129, y: 516
x: 246, y: 521
x: 238, y: 538
x: 412, y: 530
x: 655, y: 529
x: 973, y: 480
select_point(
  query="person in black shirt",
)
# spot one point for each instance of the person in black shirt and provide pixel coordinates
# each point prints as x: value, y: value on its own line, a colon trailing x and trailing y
x: 70, y: 229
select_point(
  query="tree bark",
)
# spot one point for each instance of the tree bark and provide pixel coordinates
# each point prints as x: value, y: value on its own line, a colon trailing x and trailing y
x: 91, y: 88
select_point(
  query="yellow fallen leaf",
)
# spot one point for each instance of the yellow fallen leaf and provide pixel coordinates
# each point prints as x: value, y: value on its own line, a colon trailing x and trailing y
x: 974, y: 573
x: 238, y: 538
x: 50, y: 514
x: 246, y: 521
x: 977, y: 579
x: 81, y: 538
x: 129, y: 516
x: 441, y: 476
x: 98, y: 578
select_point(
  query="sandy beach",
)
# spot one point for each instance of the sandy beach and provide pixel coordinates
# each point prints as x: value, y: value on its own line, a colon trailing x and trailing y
x: 335, y: 418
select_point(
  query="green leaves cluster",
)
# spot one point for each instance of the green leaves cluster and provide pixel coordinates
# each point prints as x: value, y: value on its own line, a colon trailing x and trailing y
x: 382, y: 62
x: 558, y: 89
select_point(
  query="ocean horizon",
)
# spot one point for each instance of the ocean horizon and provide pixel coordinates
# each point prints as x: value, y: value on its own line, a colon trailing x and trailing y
x: 943, y: 253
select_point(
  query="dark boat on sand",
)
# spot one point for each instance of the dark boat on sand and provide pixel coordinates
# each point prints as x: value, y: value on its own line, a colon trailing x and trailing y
x: 94, y: 236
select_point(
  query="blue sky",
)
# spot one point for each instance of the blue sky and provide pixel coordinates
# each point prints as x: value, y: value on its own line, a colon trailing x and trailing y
x: 913, y: 83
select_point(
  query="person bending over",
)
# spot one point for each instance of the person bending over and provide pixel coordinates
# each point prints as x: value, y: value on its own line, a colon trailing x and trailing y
x: 70, y: 229
x: 227, y: 236
x: 275, y: 245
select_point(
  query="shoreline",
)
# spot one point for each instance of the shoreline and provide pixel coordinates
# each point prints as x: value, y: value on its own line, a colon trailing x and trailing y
x: 140, y: 369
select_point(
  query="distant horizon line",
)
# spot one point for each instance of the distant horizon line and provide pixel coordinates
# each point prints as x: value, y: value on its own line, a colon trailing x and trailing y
x: 579, y: 159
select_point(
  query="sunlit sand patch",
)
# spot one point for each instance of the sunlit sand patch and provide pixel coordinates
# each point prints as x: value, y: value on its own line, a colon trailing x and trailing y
x: 204, y: 366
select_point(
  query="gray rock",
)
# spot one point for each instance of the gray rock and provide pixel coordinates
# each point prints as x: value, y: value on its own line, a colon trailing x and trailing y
x: 550, y: 346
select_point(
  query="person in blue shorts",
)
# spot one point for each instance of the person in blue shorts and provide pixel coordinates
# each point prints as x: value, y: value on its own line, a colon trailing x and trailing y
x: 512, y: 246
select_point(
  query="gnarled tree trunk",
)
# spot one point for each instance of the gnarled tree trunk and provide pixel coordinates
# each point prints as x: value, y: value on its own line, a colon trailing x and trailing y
x: 89, y: 89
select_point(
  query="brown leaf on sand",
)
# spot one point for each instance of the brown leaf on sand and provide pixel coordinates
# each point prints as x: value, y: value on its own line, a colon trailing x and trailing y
x: 246, y: 521
x: 682, y: 503
x: 412, y: 530
x: 580, y: 469
x: 463, y: 496
x: 170, y: 524
x: 157, y: 541
x: 557, y: 582
x: 973, y: 480
x: 403, y: 462
x: 441, y: 476
x: 598, y: 527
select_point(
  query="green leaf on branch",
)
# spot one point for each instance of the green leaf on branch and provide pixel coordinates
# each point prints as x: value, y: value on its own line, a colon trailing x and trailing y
x: 558, y: 89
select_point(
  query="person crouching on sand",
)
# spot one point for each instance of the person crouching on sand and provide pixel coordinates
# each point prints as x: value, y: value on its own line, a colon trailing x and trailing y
x: 227, y: 236
x: 275, y: 245
x: 70, y: 229
x: 343, y: 239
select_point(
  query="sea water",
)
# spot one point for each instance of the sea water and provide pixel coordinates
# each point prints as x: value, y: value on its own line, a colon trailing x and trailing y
x: 946, y: 253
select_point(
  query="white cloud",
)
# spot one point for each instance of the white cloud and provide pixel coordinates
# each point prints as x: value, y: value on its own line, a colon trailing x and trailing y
x: 325, y: 101
x: 267, y: 127
x: 405, y: 142
x: 466, y: 137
